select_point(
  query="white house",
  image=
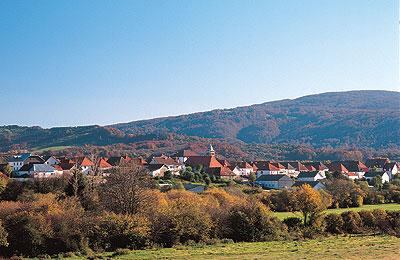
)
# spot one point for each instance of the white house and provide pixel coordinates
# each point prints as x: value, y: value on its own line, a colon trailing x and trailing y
x: 17, y: 161
x: 38, y: 171
x: 369, y: 176
x: 51, y: 160
x: 274, y: 181
x: 183, y: 155
x: 391, y: 169
x: 311, y: 176
x: 266, y: 168
x: 172, y: 165
x: 156, y: 170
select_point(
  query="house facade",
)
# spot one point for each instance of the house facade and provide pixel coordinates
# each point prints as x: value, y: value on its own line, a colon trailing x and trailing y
x: 274, y: 181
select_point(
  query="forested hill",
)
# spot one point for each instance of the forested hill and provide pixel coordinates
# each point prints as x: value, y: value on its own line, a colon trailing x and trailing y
x: 355, y: 118
x: 360, y: 118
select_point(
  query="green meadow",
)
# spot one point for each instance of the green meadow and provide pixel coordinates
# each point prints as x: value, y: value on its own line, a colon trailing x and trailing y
x: 339, y: 247
x: 392, y: 206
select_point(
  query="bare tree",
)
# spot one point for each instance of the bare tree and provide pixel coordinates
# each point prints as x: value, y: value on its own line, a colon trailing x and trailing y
x: 124, y: 190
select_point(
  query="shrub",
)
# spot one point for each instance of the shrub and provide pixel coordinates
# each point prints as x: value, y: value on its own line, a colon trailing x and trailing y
x: 334, y: 223
x: 368, y: 220
x: 183, y: 219
x: 382, y: 221
x: 293, y: 223
x: 253, y: 222
x: 3, y: 236
x: 111, y: 231
x: 394, y: 218
x: 352, y: 222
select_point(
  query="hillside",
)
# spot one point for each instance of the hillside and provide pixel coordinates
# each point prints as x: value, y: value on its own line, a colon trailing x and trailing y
x: 358, y: 119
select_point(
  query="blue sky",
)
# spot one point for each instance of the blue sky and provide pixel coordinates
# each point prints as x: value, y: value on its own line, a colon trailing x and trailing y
x: 99, y: 62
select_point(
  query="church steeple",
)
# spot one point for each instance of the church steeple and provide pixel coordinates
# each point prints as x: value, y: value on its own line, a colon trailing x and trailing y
x: 211, y: 151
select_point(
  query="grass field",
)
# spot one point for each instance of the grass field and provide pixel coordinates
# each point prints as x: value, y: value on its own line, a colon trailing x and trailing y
x: 283, y: 215
x: 51, y: 148
x: 342, y: 247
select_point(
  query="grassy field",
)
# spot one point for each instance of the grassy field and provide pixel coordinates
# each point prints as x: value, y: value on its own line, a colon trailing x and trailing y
x: 51, y: 148
x: 283, y: 215
x: 344, y: 247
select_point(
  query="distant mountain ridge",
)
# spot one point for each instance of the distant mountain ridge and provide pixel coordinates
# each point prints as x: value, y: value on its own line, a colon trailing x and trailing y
x: 362, y: 118
x: 354, y: 118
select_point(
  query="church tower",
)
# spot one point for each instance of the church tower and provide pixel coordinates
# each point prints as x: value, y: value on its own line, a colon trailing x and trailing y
x: 211, y: 151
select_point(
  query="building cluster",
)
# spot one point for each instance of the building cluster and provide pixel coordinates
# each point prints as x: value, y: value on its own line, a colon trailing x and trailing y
x: 268, y: 174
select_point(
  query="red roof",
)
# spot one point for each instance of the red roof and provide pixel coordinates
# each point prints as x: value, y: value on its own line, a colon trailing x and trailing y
x: 221, y: 171
x: 224, y: 163
x: 205, y: 161
x: 244, y: 165
x: 139, y: 161
x: 103, y: 164
x: 337, y: 167
x: 84, y: 161
x: 310, y: 168
x: 164, y: 160
x: 266, y: 166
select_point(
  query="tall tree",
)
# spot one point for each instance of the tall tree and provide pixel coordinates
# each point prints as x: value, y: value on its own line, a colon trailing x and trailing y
x: 77, y: 184
x: 125, y: 189
x: 309, y: 203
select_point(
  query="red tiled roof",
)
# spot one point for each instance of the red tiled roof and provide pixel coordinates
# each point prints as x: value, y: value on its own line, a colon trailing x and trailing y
x: 84, y: 161
x: 164, y: 160
x: 205, y: 161
x: 244, y: 165
x: 221, y: 171
x: 337, y: 167
x: 224, y: 162
x: 103, y: 164
x: 310, y: 168
x: 298, y: 166
x: 263, y: 166
x: 139, y: 161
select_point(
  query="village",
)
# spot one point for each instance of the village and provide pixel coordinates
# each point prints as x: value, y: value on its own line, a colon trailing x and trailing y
x: 266, y: 174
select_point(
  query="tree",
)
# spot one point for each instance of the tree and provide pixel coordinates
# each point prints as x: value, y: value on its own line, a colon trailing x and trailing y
x: 168, y: 175
x: 377, y: 182
x: 252, y: 178
x: 345, y: 193
x: 77, y: 184
x: 3, y: 236
x: 124, y: 190
x: 7, y: 170
x: 309, y: 203
x: 3, y: 184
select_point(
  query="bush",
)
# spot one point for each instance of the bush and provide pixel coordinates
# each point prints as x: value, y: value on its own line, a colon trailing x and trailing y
x: 382, y: 221
x: 352, y: 222
x: 394, y: 218
x: 183, y: 219
x: 3, y: 236
x: 293, y: 223
x: 368, y: 220
x: 252, y: 222
x: 334, y: 223
x: 112, y: 231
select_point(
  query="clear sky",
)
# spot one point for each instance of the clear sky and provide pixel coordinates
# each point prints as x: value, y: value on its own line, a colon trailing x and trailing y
x: 99, y: 62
